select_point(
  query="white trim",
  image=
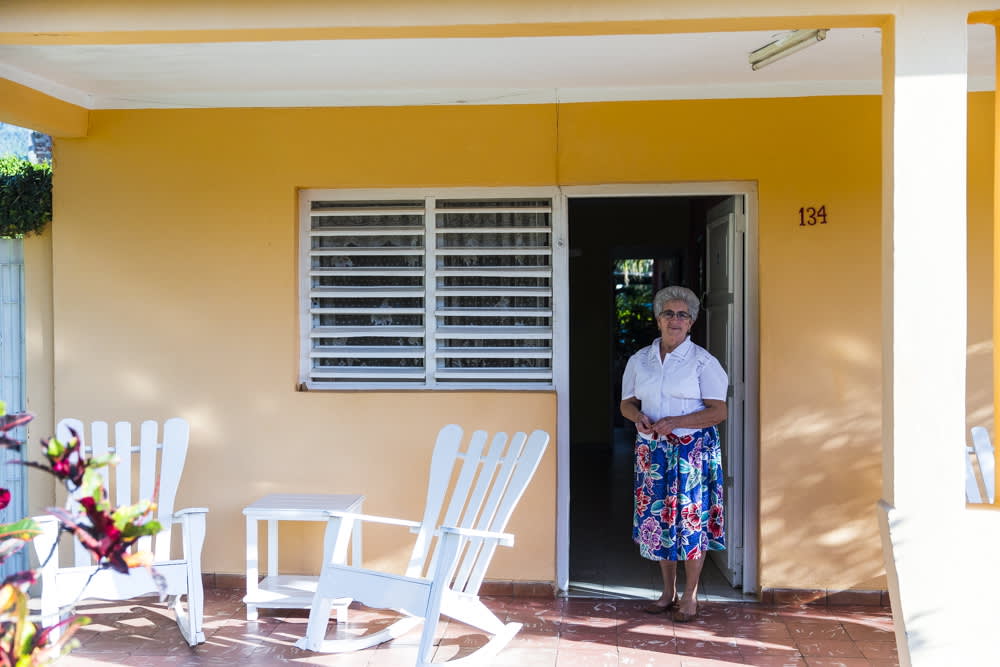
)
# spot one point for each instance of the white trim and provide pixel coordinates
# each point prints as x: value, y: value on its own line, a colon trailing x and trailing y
x: 468, y: 97
x: 506, y: 380
x: 751, y: 394
x: 458, y: 97
x: 51, y: 88
x: 560, y: 379
x: 748, y: 191
x: 391, y: 194
x: 662, y: 189
x: 430, y: 291
x: 305, y: 290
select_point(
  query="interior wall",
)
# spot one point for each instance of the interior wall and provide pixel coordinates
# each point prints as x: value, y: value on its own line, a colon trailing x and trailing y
x: 174, y: 292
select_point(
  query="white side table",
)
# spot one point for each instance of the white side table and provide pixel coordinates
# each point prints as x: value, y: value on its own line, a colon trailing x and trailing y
x: 290, y: 591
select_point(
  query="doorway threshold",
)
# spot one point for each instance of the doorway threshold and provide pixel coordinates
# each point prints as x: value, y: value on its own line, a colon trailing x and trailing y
x: 713, y: 588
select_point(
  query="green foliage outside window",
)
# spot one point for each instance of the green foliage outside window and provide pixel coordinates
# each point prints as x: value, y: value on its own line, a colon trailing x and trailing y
x: 634, y: 325
x: 25, y: 197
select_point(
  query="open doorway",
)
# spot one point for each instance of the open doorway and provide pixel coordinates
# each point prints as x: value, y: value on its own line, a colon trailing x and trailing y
x: 621, y: 251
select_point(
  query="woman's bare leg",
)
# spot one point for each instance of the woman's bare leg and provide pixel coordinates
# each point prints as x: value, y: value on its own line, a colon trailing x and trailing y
x: 668, y: 570
x: 692, y: 574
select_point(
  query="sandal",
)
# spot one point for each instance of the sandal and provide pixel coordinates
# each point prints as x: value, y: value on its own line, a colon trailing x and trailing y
x: 683, y: 617
x: 654, y: 608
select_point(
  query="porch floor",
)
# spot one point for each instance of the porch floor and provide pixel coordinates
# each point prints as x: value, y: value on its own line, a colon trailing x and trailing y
x: 572, y: 632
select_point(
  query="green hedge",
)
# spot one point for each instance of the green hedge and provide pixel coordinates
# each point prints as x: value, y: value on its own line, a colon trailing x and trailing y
x: 25, y: 197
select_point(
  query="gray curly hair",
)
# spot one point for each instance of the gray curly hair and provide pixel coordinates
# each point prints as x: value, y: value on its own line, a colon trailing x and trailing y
x: 676, y: 293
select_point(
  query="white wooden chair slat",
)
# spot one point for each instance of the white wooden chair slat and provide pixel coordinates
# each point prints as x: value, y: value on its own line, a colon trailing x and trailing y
x: 123, y: 472
x: 972, y: 493
x: 466, y: 498
x: 529, y: 456
x: 474, y: 507
x: 95, y: 444
x: 148, y: 483
x: 488, y: 516
x: 63, y: 433
x: 501, y: 481
x: 160, y: 467
x: 492, y: 477
x: 986, y: 459
x: 470, y: 461
x: 445, y: 453
x: 172, y: 457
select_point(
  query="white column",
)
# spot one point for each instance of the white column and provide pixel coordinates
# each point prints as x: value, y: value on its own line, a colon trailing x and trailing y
x: 924, y: 275
x: 924, y: 325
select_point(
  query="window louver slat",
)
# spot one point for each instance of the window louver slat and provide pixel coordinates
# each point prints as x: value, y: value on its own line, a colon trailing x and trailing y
x: 430, y: 293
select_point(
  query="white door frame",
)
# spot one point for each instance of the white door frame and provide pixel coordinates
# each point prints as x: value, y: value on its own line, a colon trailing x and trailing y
x: 751, y: 506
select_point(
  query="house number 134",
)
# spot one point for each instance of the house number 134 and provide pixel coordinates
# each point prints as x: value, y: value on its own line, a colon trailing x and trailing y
x: 809, y: 216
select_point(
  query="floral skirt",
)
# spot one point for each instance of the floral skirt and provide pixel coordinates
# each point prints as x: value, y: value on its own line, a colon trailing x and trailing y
x: 678, y: 496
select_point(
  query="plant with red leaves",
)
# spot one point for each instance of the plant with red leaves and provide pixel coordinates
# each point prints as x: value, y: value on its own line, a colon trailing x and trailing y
x: 108, y: 532
x: 66, y: 461
x: 105, y: 531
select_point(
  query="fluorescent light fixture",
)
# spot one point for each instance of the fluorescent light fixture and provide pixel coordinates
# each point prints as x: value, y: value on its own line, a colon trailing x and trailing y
x: 787, y: 44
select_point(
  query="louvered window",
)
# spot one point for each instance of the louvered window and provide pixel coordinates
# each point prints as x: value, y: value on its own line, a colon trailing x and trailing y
x: 435, y: 292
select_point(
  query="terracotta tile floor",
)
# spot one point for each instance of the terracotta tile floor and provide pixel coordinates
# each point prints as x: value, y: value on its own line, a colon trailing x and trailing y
x: 573, y: 631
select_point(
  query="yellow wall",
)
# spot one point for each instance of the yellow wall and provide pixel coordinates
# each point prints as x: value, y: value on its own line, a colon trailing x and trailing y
x: 174, y: 260
x: 819, y: 292
x: 20, y: 105
x: 38, y: 358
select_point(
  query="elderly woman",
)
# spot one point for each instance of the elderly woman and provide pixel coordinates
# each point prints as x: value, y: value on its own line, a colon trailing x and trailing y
x: 675, y: 392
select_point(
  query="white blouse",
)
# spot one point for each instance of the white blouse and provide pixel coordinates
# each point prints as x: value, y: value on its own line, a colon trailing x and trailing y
x: 677, y: 385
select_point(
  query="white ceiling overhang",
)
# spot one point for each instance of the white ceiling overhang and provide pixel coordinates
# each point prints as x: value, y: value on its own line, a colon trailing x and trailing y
x: 480, y: 70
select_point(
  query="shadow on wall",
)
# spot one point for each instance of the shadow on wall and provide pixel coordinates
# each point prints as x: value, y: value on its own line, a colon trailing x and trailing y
x: 821, y: 472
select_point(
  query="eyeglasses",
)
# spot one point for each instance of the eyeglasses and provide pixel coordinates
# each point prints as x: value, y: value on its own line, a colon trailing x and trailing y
x: 682, y: 315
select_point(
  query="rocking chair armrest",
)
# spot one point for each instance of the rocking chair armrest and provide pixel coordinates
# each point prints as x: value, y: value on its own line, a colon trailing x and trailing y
x: 503, y: 539
x: 373, y: 518
x: 179, y: 515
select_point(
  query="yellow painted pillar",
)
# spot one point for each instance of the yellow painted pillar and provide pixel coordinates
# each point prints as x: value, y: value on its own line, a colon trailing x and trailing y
x: 996, y: 251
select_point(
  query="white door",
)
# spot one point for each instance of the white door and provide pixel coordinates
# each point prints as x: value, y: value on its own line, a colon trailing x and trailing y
x: 12, y: 383
x: 723, y: 313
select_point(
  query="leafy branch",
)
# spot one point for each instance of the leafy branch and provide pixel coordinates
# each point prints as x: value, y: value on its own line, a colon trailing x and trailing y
x: 107, y: 532
x: 25, y: 196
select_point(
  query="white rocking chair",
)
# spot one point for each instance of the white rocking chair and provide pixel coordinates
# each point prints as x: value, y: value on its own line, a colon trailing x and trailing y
x: 982, y: 450
x: 158, y: 481
x: 488, y: 486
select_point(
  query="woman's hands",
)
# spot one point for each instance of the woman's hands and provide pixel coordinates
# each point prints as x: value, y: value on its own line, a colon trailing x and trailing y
x: 632, y: 411
x: 713, y: 413
x: 644, y: 423
x: 665, y: 426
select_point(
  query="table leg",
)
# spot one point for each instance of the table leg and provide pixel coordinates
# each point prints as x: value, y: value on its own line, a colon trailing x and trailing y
x: 252, y: 566
x: 272, y: 548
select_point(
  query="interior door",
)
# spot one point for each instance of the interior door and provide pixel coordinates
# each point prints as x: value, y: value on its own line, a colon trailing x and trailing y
x: 723, y: 313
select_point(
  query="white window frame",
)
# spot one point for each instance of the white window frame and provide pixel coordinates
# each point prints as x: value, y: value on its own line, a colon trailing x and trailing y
x: 558, y: 265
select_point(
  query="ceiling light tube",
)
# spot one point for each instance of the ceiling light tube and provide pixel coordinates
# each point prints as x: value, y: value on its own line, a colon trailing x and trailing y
x: 793, y: 41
